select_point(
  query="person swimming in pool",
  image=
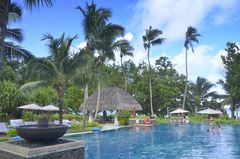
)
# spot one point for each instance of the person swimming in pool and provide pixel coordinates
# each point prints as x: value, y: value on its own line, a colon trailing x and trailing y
x: 211, y: 124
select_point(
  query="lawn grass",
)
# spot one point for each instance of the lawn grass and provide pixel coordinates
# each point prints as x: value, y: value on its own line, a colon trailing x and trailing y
x: 4, y: 138
x: 78, y: 127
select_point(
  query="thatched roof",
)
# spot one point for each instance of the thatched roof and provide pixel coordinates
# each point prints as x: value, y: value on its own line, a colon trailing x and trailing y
x: 111, y: 98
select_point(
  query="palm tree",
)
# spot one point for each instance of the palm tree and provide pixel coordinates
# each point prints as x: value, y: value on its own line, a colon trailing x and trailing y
x: 151, y: 38
x: 100, y: 36
x: 4, y: 18
x: 60, y: 68
x: 13, y: 51
x: 93, y: 20
x: 201, y: 91
x: 125, y: 50
x: 190, y: 37
x: 228, y: 98
x: 105, y: 46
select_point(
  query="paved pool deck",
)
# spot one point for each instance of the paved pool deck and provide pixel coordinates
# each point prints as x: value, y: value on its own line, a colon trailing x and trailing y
x: 106, y: 127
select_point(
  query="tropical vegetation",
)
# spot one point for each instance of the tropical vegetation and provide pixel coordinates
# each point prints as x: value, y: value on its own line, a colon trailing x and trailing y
x: 66, y: 77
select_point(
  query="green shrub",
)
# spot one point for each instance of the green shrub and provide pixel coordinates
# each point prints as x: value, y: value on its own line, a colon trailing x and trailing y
x: 4, y: 117
x: 161, y: 120
x: 110, y: 116
x: 28, y: 116
x: 72, y: 117
x: 54, y: 117
x: 76, y: 126
x: 197, y: 118
x: 67, y: 116
x: 4, y: 138
x: 93, y: 124
x: 35, y: 117
x: 123, y: 117
x: 12, y: 132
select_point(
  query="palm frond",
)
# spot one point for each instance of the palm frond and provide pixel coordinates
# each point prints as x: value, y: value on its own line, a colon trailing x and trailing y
x: 144, y: 38
x: 15, y: 51
x: 15, y: 34
x: 151, y: 37
x: 38, y: 3
x: 43, y: 65
x: 32, y: 85
x: 158, y: 41
x: 15, y: 12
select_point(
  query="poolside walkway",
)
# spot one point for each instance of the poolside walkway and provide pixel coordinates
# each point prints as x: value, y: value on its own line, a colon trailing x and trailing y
x: 106, y: 127
x: 110, y: 127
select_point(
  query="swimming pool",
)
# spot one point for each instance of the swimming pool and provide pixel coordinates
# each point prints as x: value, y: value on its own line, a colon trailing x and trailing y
x: 164, y: 141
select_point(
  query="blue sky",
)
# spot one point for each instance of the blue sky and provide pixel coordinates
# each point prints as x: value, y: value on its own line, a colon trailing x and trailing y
x: 217, y: 20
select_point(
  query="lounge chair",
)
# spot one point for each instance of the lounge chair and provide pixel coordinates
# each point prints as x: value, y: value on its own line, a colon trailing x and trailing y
x: 30, y: 123
x: 3, y: 128
x: 16, y: 122
x: 65, y: 122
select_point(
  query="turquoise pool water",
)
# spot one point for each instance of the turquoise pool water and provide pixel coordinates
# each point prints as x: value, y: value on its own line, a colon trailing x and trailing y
x: 164, y: 141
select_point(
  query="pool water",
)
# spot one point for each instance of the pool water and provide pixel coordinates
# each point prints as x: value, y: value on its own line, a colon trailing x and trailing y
x: 164, y: 141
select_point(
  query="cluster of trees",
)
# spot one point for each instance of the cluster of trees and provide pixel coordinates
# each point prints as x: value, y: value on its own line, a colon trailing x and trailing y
x: 66, y: 78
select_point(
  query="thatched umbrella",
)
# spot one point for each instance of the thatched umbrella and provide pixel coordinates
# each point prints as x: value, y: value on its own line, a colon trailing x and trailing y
x: 50, y: 108
x: 179, y: 111
x: 31, y: 107
x: 209, y: 111
x: 111, y: 98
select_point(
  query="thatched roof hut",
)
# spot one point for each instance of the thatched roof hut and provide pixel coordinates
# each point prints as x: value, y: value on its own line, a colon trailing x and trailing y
x: 111, y: 98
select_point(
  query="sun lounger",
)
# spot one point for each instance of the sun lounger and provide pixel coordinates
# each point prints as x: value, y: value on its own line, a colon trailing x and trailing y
x: 65, y: 122
x: 3, y: 128
x: 30, y: 123
x: 16, y: 122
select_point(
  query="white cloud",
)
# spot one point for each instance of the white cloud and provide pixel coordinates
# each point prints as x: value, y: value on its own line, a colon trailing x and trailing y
x: 202, y: 63
x: 82, y: 45
x: 174, y: 16
x: 128, y: 36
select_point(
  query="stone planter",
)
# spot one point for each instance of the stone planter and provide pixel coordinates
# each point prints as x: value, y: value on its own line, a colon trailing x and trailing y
x: 70, y: 150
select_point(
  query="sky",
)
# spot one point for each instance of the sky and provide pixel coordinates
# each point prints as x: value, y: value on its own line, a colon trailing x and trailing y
x: 218, y: 21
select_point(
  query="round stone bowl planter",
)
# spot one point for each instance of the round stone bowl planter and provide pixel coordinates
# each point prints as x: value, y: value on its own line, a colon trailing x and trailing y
x: 34, y: 133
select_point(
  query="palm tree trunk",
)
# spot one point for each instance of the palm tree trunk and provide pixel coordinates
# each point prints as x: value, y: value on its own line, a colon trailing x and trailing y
x: 150, y: 83
x: 61, y: 94
x: 4, y: 6
x: 85, y: 99
x: 186, y: 86
x: 98, y: 100
x: 232, y: 107
x: 125, y: 77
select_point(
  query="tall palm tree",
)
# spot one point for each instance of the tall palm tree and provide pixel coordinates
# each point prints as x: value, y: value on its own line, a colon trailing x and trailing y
x: 125, y: 50
x: 151, y: 38
x: 106, y: 46
x: 60, y: 68
x: 4, y: 18
x: 190, y: 37
x: 100, y: 35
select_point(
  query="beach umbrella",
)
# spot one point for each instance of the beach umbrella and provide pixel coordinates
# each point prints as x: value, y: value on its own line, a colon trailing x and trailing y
x: 179, y: 111
x: 30, y: 107
x: 50, y: 108
x: 209, y: 111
